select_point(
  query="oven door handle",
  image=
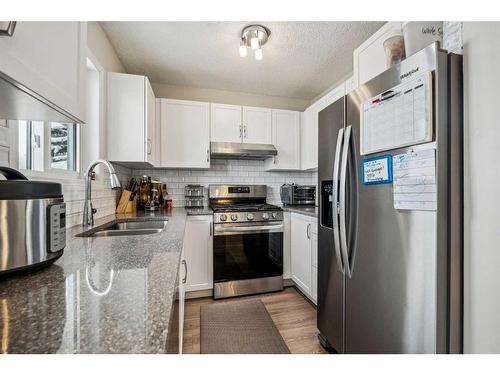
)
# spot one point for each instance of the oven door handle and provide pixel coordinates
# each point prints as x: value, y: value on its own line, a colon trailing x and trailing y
x: 249, y: 229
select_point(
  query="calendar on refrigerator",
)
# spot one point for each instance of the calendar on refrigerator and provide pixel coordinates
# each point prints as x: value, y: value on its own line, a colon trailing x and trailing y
x: 399, y: 117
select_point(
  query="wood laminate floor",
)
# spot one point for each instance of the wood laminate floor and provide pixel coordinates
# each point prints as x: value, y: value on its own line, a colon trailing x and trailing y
x: 292, y: 314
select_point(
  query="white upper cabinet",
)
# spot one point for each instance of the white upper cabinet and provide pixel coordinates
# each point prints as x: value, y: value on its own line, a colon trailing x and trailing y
x: 334, y: 95
x: 257, y: 125
x: 49, y: 58
x: 131, y: 120
x: 234, y: 123
x: 185, y: 133
x: 152, y: 132
x: 351, y: 84
x: 226, y: 123
x: 309, y: 138
x: 286, y: 139
x: 309, y: 127
x: 369, y: 57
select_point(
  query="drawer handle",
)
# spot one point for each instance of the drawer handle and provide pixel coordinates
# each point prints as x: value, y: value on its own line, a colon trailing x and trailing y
x: 185, y: 271
x: 9, y: 30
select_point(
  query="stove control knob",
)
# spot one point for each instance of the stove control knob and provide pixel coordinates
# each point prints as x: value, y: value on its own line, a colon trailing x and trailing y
x: 265, y: 216
x: 250, y: 216
x: 223, y: 217
x: 275, y: 215
x: 234, y: 217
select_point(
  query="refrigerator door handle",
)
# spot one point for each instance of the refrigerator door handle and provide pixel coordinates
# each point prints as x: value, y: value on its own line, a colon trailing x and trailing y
x: 335, y: 202
x: 342, y: 199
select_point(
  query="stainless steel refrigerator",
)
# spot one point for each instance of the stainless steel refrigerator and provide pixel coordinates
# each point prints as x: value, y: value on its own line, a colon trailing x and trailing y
x: 390, y: 276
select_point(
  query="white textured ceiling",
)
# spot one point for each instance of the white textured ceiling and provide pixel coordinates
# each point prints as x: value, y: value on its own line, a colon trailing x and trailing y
x: 301, y: 59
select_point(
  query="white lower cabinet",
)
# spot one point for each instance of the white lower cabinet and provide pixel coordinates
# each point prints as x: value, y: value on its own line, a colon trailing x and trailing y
x: 303, y: 236
x: 198, y: 253
x: 314, y: 262
x: 287, y: 271
x: 182, y: 297
x: 314, y: 284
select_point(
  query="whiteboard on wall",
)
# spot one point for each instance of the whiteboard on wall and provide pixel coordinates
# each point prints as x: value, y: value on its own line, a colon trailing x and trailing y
x: 399, y: 117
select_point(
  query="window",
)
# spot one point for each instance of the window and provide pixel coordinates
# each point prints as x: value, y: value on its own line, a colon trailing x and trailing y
x: 47, y: 146
x: 62, y: 146
x: 31, y: 145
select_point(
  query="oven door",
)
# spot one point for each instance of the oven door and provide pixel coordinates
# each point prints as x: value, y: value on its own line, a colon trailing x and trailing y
x: 244, y: 251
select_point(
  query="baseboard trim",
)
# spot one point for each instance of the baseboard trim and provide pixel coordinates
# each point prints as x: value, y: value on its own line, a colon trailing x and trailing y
x: 287, y: 283
x: 199, y: 294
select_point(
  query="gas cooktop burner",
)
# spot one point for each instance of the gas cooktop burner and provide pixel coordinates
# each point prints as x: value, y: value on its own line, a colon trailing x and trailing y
x: 236, y: 204
x: 244, y: 207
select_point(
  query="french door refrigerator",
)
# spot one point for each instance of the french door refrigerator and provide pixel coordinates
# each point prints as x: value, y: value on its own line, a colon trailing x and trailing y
x: 390, y: 265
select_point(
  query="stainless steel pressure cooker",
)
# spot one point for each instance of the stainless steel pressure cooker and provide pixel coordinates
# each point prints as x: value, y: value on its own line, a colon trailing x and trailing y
x: 32, y: 223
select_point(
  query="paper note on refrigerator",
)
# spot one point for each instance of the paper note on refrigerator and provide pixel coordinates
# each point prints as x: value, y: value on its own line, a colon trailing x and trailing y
x: 414, y: 184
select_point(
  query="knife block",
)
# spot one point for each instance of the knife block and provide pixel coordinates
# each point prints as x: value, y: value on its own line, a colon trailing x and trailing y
x: 125, y: 205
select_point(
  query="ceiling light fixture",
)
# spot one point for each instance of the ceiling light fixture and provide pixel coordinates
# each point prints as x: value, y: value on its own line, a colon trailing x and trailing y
x: 258, y: 54
x: 243, y: 49
x: 254, y: 37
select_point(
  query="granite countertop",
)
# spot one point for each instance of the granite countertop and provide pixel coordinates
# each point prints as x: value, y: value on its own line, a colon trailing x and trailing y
x: 304, y: 210
x: 199, y: 211
x: 104, y: 295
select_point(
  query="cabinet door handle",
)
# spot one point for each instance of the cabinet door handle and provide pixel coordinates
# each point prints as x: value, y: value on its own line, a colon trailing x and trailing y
x: 184, y: 263
x: 308, y: 231
x: 208, y: 155
x: 9, y: 30
x: 245, y: 129
x: 211, y: 230
x: 150, y: 146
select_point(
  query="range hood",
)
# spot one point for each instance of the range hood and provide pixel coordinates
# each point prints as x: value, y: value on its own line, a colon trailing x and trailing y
x: 17, y: 102
x: 230, y: 150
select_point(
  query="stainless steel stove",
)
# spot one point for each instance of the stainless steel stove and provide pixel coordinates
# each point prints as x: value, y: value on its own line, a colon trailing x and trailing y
x: 248, y: 241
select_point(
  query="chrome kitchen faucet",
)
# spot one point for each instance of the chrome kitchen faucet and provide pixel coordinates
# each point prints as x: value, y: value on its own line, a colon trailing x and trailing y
x: 88, y: 210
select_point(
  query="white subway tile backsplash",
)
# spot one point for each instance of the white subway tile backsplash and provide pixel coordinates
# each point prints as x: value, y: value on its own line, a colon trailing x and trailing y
x: 223, y: 172
x: 103, y: 198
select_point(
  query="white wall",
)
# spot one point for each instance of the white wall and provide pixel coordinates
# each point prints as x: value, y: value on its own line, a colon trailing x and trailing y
x: 98, y: 43
x: 227, y: 97
x: 482, y: 187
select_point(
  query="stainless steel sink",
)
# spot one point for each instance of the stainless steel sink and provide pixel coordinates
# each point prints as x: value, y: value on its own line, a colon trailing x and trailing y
x: 126, y: 228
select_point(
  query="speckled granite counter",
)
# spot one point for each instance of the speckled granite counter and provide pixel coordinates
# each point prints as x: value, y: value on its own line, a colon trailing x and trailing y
x: 104, y: 295
x: 304, y: 210
x: 199, y: 211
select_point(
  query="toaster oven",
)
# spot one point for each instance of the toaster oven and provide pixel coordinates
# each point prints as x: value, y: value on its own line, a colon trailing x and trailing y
x: 292, y: 194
